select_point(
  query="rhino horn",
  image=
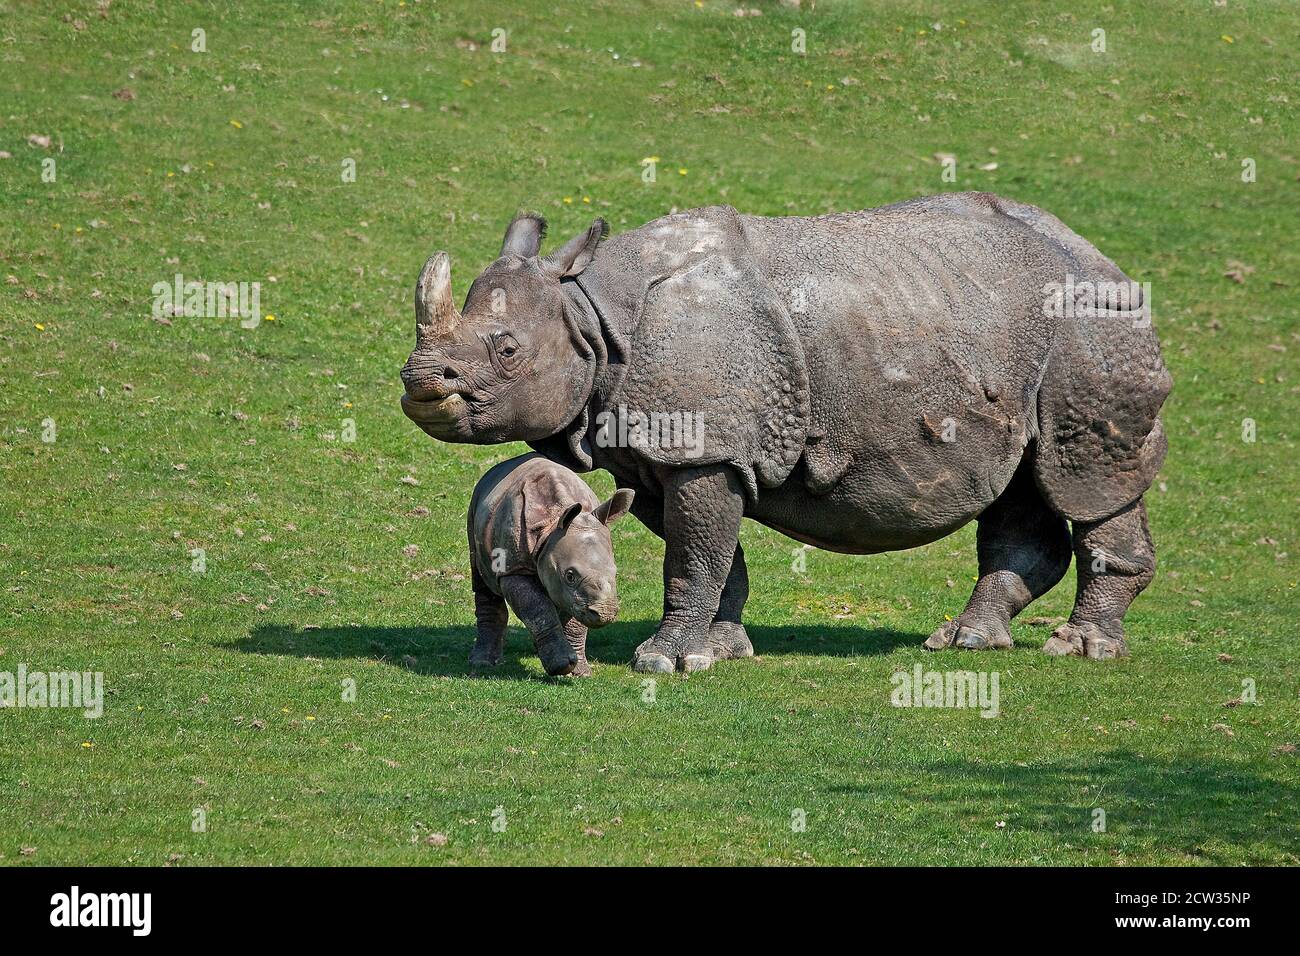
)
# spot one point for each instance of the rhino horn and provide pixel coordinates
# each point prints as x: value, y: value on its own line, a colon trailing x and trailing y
x: 434, y: 310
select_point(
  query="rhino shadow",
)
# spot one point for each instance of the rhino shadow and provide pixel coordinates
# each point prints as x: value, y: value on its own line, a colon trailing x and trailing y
x: 1212, y: 811
x: 443, y: 651
x: 616, y: 642
x: 437, y: 651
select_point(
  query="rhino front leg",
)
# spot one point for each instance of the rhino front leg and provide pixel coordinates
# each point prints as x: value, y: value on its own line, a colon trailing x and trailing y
x: 727, y: 636
x: 702, y: 509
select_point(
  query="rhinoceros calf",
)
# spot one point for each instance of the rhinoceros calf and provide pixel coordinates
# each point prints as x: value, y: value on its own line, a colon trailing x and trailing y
x: 862, y: 382
x: 539, y: 542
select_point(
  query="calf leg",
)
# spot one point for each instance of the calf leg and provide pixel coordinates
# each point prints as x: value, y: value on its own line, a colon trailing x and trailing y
x: 491, y: 614
x: 575, y: 632
x: 1024, y: 549
x: 1116, y: 560
x: 532, y: 605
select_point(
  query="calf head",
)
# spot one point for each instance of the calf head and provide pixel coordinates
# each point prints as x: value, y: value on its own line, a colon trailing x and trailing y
x: 575, y: 558
x: 510, y: 366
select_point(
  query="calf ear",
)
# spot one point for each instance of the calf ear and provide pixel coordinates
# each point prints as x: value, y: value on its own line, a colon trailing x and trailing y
x: 524, y: 235
x: 542, y: 494
x: 610, y: 511
x: 576, y: 254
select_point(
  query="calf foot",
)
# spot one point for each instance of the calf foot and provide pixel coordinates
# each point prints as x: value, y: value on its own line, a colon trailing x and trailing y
x: 481, y: 658
x: 971, y: 633
x: 1086, y: 639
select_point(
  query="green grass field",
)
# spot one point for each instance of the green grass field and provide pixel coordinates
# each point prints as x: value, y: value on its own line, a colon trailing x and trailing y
x: 224, y: 688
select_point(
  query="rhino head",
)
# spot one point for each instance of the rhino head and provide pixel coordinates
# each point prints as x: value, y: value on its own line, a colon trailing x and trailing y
x: 511, y: 365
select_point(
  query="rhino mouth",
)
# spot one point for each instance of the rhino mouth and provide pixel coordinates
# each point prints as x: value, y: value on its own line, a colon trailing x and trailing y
x: 446, y: 418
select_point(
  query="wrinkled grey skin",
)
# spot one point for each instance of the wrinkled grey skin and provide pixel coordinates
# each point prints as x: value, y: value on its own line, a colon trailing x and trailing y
x: 539, y: 542
x: 866, y: 382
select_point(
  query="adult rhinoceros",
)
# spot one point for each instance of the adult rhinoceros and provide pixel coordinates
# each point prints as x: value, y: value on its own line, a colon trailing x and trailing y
x: 861, y: 382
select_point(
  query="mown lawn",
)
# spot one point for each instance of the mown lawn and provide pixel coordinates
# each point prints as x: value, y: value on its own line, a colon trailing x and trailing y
x: 225, y: 687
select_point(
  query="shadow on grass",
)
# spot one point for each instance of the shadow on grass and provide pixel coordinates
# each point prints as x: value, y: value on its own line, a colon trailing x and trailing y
x: 1210, y: 810
x: 444, y: 651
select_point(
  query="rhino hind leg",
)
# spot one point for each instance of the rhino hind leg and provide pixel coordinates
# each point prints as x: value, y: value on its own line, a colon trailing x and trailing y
x: 1116, y: 560
x: 1024, y: 550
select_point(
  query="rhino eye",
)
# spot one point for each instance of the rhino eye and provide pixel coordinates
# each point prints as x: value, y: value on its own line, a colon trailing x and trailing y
x: 571, y: 576
x: 507, y: 350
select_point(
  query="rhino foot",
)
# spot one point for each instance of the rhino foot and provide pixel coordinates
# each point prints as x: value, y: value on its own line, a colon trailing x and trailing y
x: 662, y: 654
x: 972, y: 636
x: 1087, y: 640
x: 655, y: 656
x: 728, y: 641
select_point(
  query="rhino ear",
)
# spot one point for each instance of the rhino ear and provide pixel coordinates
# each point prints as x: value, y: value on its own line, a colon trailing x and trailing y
x: 576, y: 254
x: 524, y: 235
x: 610, y: 511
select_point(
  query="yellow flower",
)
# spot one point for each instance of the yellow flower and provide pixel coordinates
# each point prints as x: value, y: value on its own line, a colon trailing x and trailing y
x: 681, y: 171
x: 39, y: 327
x: 236, y: 124
x: 269, y: 318
x: 568, y: 199
x: 310, y: 717
x: 1225, y: 38
x: 467, y: 82
x: 284, y: 710
x: 87, y: 744
x: 587, y: 200
x: 347, y: 404
x: 170, y: 175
